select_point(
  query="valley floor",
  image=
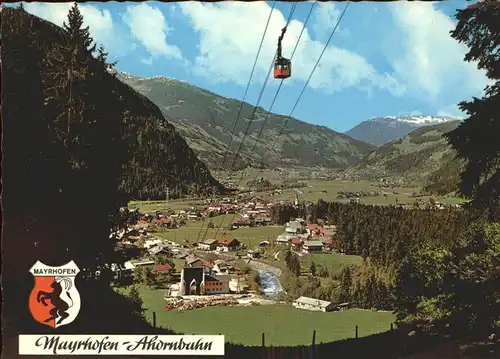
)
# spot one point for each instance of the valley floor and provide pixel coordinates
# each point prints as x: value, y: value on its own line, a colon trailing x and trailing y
x: 315, y: 190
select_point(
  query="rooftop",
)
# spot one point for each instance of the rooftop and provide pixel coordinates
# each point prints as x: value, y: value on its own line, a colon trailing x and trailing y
x: 227, y: 241
x: 313, y: 243
x: 209, y: 241
x: 313, y: 301
x: 162, y: 267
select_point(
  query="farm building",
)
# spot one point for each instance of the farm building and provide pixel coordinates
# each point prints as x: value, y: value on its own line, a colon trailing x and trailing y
x: 220, y: 267
x: 241, y: 222
x: 312, y: 247
x: 159, y: 249
x: 228, y: 245
x: 313, y: 304
x: 162, y: 268
x: 293, y: 227
x: 208, y: 245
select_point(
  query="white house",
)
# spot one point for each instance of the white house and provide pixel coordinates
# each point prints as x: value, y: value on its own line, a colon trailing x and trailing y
x: 313, y: 304
x: 293, y: 227
x: 208, y: 245
x: 148, y: 243
x: 237, y: 285
x: 312, y: 247
x: 220, y: 267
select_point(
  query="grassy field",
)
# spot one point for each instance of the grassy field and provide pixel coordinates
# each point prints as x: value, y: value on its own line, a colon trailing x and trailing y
x: 249, y: 236
x: 151, y: 206
x: 282, y: 324
x: 316, y: 190
x: 328, y: 259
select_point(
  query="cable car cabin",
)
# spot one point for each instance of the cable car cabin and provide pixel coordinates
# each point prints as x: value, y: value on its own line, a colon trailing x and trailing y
x: 282, y: 68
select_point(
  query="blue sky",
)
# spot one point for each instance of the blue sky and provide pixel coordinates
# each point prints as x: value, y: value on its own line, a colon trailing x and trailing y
x: 394, y: 58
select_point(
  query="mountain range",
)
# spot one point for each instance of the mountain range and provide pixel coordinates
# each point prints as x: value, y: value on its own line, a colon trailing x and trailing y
x: 206, y: 120
x: 380, y: 130
x: 205, y: 123
x: 415, y: 157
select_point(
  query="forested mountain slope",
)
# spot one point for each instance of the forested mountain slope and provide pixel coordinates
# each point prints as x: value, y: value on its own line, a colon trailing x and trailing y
x: 161, y: 156
x: 206, y: 121
x: 415, y: 156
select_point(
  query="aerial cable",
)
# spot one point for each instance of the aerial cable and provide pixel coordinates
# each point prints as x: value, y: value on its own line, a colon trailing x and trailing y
x: 243, y: 99
x: 307, y: 82
x: 272, y: 104
x: 248, y: 85
x: 279, y: 88
x: 292, y: 10
x: 274, y: 100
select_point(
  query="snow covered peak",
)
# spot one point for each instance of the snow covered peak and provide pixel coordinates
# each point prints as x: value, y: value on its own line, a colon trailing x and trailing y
x: 163, y: 78
x: 160, y: 78
x: 416, y: 121
x: 126, y: 75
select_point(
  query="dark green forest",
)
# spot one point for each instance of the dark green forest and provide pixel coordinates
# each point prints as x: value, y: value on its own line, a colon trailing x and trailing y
x: 78, y: 144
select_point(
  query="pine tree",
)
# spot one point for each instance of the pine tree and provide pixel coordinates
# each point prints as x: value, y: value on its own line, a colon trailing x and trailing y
x: 139, y: 275
x: 287, y: 257
x: 345, y: 284
x: 68, y: 70
x: 102, y: 57
x: 312, y: 269
x: 296, y: 265
x: 149, y: 277
x: 476, y: 139
x: 136, y: 299
x: 371, y: 289
x: 74, y: 28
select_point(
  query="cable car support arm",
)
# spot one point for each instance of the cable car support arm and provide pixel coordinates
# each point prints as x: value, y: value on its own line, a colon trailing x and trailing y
x: 280, y: 38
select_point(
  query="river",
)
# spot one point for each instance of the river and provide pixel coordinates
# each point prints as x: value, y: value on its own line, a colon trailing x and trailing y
x: 269, y: 283
x: 269, y: 278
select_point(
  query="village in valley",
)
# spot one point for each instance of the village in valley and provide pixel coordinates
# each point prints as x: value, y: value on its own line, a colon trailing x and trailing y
x: 257, y: 255
x: 224, y: 270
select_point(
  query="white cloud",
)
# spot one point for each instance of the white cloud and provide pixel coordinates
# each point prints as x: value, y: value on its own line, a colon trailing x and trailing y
x: 100, y: 22
x: 230, y: 34
x: 430, y: 61
x: 326, y: 15
x: 148, y: 25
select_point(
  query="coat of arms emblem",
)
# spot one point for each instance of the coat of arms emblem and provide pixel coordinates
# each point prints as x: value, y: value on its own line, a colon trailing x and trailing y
x: 54, y: 300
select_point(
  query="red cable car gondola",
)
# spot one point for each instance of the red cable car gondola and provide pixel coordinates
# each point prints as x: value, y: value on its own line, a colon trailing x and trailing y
x: 282, y: 66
